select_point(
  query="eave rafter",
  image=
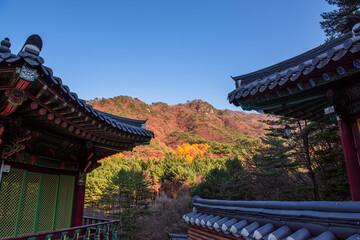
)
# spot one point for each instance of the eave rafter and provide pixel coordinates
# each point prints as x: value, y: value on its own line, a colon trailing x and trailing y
x: 329, y: 67
x: 46, y: 106
x: 63, y: 128
x: 304, y: 91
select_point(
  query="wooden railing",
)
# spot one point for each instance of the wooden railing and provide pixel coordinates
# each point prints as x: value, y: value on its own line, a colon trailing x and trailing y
x: 103, y: 229
x: 92, y: 220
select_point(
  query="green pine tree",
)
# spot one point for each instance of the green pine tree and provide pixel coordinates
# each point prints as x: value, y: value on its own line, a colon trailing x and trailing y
x: 311, y: 158
x: 128, y: 197
x: 275, y: 169
x: 231, y: 182
x: 331, y: 163
x: 336, y: 22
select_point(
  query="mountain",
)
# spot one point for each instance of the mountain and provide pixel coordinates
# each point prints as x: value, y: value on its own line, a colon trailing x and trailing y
x: 193, y: 122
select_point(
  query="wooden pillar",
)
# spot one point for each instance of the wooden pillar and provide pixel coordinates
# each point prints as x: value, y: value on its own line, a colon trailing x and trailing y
x: 350, y: 138
x: 78, y: 202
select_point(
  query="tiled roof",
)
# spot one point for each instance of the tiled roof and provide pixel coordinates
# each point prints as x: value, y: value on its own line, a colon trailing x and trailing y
x: 129, y: 121
x: 291, y: 70
x: 32, y: 58
x: 271, y: 220
x: 174, y: 236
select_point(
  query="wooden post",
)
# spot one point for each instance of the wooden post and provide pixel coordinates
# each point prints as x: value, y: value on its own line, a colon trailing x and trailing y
x: 350, y: 138
x: 78, y: 202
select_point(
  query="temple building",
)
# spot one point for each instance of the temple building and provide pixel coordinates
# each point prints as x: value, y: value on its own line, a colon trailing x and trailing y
x: 49, y: 140
x: 319, y: 85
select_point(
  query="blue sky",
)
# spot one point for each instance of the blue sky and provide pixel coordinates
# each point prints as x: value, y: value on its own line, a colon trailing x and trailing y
x: 162, y: 50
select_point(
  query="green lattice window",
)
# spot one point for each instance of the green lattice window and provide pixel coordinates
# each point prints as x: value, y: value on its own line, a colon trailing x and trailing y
x: 34, y: 202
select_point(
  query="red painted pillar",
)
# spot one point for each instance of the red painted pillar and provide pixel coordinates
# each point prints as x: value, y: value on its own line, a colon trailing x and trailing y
x: 78, y: 202
x: 350, y: 138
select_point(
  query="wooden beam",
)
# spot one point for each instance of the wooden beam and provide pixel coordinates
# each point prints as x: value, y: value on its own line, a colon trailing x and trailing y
x: 349, y: 132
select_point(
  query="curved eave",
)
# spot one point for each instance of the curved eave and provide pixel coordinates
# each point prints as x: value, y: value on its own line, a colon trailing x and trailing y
x: 86, y: 122
x: 297, y: 60
x: 271, y: 82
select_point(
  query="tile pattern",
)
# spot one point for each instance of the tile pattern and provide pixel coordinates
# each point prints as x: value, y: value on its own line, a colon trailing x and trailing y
x: 271, y: 78
x: 271, y: 220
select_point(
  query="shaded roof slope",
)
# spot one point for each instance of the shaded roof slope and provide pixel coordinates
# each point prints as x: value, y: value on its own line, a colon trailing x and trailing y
x: 295, y: 69
x: 292, y: 62
x: 277, y: 220
x: 29, y: 55
x: 128, y: 121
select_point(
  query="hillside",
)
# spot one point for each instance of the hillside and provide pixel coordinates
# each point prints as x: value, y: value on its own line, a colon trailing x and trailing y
x: 193, y: 122
x: 222, y: 158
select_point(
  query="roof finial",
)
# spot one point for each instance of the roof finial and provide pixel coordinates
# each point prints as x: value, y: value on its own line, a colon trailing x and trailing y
x: 33, y: 45
x: 353, y: 23
x: 5, y: 46
x: 356, y: 29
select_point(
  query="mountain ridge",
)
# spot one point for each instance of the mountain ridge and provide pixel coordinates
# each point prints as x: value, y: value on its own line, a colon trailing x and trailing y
x: 192, y: 122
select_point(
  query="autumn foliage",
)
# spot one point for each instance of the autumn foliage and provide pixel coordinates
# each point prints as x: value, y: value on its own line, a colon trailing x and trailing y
x: 192, y: 122
x: 190, y: 152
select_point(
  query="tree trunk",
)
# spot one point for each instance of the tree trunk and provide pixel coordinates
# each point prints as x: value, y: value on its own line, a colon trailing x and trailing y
x: 308, y: 165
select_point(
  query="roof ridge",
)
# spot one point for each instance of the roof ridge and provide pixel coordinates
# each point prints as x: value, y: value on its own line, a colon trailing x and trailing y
x: 291, y: 62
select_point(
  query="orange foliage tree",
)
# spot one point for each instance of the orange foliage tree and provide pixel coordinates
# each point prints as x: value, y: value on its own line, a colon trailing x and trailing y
x: 190, y: 152
x: 116, y: 155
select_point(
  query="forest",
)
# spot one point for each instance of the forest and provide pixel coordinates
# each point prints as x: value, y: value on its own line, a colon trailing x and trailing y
x: 150, y: 192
